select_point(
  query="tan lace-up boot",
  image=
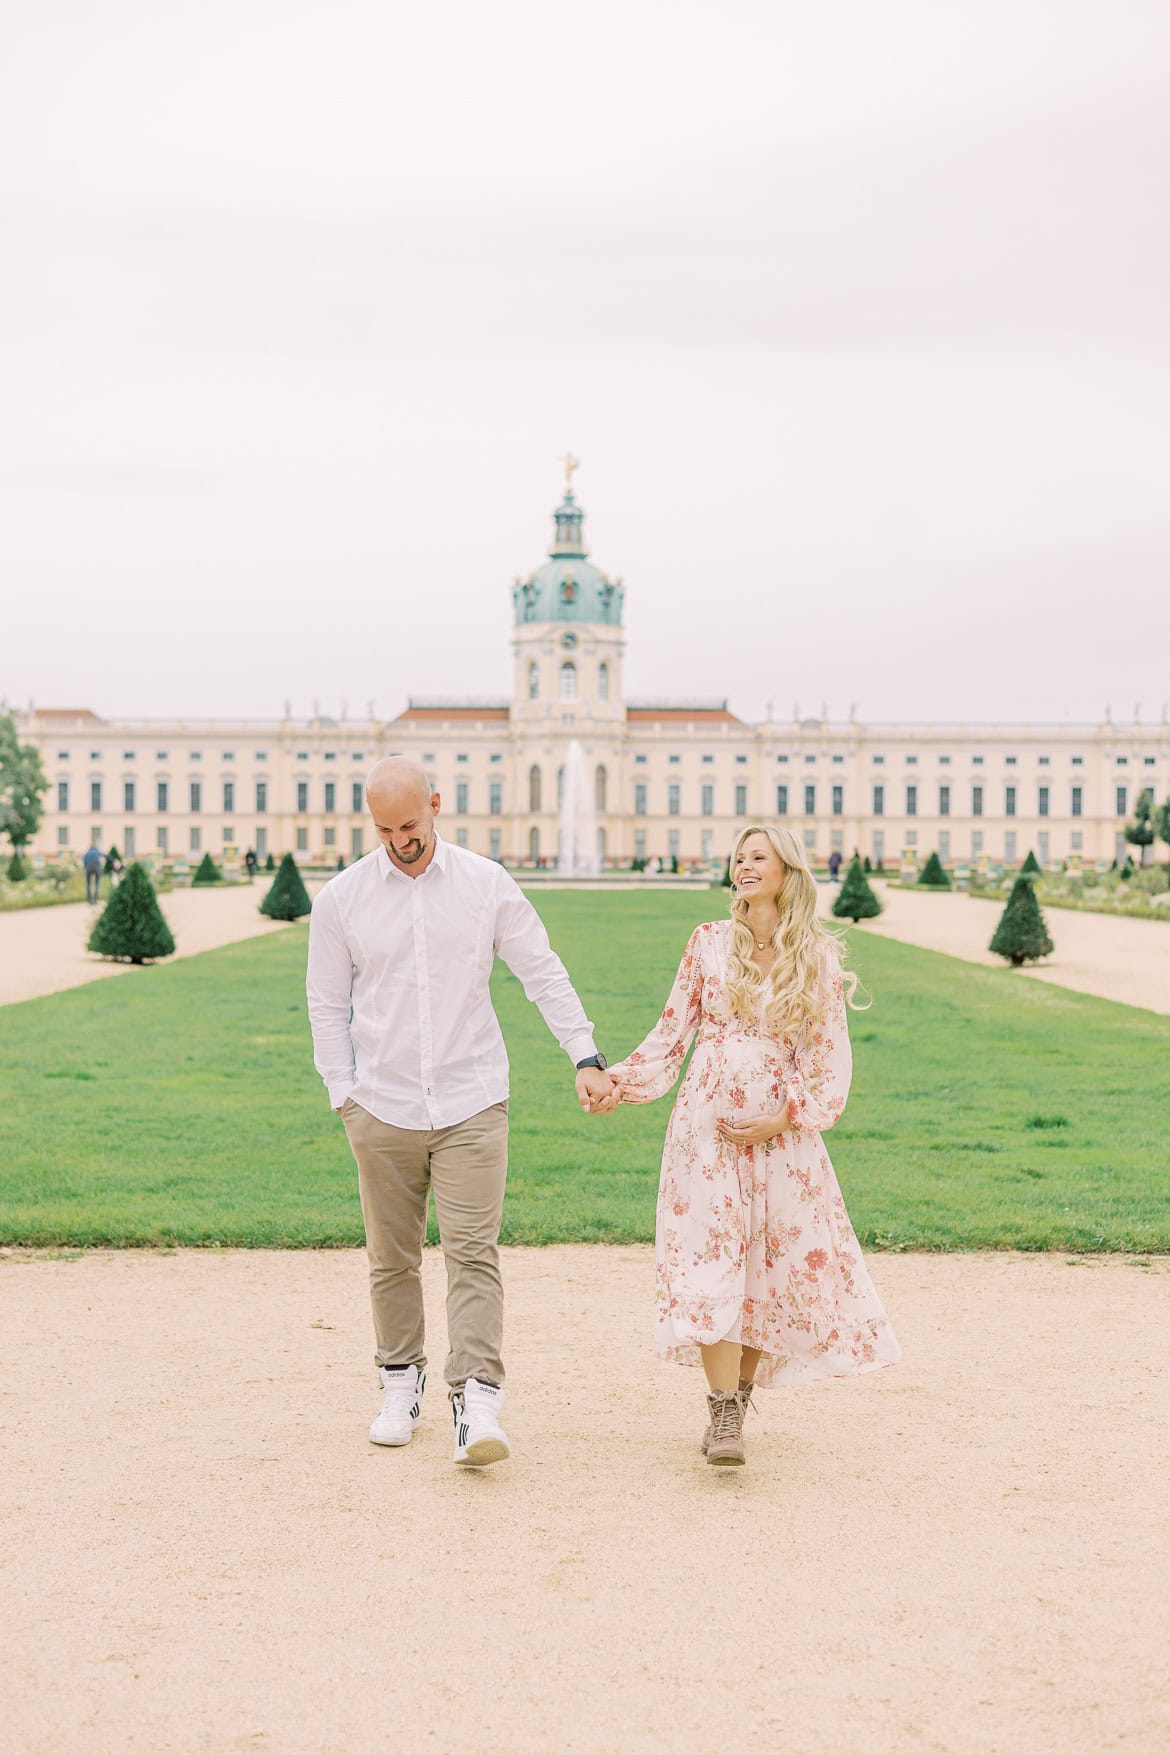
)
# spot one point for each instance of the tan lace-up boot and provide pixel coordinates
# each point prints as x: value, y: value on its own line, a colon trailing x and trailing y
x: 745, y: 1396
x: 725, y: 1446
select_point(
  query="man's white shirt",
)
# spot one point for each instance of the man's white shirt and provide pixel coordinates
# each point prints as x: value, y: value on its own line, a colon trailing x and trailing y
x: 397, y: 986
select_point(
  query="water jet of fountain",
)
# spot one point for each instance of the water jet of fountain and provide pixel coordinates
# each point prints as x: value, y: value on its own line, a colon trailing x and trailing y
x: 577, y: 838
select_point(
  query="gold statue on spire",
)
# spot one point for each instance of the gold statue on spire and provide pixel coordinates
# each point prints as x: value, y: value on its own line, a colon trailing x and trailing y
x: 571, y: 463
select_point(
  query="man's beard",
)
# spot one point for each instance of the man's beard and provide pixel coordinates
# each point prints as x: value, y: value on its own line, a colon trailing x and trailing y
x: 414, y: 853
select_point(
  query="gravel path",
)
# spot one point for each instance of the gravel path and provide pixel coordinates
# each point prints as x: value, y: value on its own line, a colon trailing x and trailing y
x: 1125, y: 960
x: 964, y: 1553
x: 42, y: 950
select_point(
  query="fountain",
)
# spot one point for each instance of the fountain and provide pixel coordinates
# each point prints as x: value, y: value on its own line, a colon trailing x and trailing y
x: 577, y: 837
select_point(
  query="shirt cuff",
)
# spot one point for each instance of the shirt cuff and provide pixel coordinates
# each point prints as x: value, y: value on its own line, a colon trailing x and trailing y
x: 338, y: 1093
x: 580, y: 1048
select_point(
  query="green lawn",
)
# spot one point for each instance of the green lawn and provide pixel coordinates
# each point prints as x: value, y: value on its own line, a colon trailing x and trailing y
x: 179, y: 1104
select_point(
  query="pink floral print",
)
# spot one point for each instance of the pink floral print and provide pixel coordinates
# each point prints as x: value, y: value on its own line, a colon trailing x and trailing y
x: 753, y: 1243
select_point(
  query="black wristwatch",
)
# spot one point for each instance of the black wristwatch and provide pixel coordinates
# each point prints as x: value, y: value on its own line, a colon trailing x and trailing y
x: 597, y: 1060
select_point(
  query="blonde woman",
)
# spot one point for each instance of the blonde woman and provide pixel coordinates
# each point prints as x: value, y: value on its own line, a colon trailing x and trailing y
x: 759, y: 1273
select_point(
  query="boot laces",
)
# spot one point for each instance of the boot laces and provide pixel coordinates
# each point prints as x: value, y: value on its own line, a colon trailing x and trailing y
x: 726, y: 1416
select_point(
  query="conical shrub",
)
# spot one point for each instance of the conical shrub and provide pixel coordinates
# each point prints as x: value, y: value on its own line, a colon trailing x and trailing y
x: 207, y: 872
x: 1031, y: 866
x: 270, y: 863
x: 934, y: 874
x: 855, y: 900
x: 288, y: 898
x: 131, y: 927
x: 1021, y: 935
x: 17, y: 869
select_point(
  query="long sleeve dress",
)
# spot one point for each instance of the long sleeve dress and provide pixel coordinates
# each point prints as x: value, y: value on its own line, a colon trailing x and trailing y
x: 753, y: 1243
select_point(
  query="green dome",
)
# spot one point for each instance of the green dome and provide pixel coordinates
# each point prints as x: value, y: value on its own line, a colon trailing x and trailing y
x: 568, y: 587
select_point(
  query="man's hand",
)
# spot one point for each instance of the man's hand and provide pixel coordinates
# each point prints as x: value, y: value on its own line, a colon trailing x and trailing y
x: 597, y: 1091
x: 752, y: 1133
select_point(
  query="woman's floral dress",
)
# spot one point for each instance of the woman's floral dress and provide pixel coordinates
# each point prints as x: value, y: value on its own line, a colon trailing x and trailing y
x: 754, y: 1244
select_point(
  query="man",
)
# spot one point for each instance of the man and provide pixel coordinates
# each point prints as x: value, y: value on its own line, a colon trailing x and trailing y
x: 92, y: 863
x: 405, y: 940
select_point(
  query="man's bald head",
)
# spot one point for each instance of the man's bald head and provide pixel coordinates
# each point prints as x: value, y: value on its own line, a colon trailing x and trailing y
x: 404, y: 809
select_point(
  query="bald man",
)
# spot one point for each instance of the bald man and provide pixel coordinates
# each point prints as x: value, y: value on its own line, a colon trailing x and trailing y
x: 401, y: 948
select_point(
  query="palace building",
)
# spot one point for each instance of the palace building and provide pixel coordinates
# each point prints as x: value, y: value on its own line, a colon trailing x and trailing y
x: 667, y: 777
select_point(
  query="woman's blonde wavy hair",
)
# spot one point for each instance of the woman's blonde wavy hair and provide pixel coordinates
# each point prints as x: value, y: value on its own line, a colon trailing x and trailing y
x: 797, y: 995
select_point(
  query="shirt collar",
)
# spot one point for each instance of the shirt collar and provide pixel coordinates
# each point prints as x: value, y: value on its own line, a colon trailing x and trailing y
x: 438, y: 858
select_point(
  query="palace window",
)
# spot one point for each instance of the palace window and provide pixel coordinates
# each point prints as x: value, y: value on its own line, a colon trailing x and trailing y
x: 533, y: 682
x: 879, y: 801
x: 534, y: 788
x: 261, y: 797
x: 976, y: 801
x: 944, y: 801
x: 600, y: 788
x: 911, y: 801
x: 673, y: 797
x: 810, y: 801
x: 741, y: 801
x: 1122, y: 799
x: 1009, y: 801
x: 302, y: 795
x: 781, y: 801
x: 357, y: 796
x: 229, y: 797
x: 707, y: 800
x: 838, y: 801
x: 1078, y: 796
x: 603, y: 682
x: 195, y: 840
x: 568, y: 680
x: 330, y: 797
x: 95, y: 795
x: 1042, y: 802
x: 195, y: 797
x: 461, y: 791
x: 162, y: 797
x: 495, y: 798
x: 62, y: 795
x: 640, y: 798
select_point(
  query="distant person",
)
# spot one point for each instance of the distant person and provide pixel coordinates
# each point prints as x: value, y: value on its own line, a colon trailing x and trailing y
x: 834, y: 865
x: 759, y: 1274
x: 250, y: 864
x: 113, y: 867
x: 92, y: 866
x: 418, y: 1072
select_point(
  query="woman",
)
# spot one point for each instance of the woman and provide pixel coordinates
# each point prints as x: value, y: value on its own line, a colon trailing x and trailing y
x: 759, y: 1271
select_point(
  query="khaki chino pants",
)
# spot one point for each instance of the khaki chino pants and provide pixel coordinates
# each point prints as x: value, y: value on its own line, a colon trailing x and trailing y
x: 467, y: 1166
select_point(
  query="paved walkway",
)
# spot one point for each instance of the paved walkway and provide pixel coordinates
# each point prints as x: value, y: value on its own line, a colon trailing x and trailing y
x: 1125, y: 960
x: 965, y: 1553
x: 42, y: 950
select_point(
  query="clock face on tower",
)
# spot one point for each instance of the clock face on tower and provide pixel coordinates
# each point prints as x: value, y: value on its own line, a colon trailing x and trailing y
x: 569, y: 639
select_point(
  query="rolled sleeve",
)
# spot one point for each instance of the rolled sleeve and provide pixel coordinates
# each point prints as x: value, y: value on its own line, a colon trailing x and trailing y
x: 329, y: 988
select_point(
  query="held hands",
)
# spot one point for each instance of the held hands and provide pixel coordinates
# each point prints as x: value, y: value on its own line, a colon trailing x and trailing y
x: 752, y: 1133
x: 597, y: 1092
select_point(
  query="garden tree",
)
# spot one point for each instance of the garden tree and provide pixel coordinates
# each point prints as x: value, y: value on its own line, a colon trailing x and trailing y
x: 341, y: 862
x: 726, y: 873
x: 855, y: 900
x: 865, y: 865
x: 1126, y: 871
x: 1031, y: 866
x: 207, y: 872
x: 288, y: 898
x: 1021, y: 935
x: 1162, y: 823
x: 22, y: 787
x: 270, y: 863
x: 131, y: 927
x: 934, y: 874
x: 17, y: 869
x: 1140, y: 831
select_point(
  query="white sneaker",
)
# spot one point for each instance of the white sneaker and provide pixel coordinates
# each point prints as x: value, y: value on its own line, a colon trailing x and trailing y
x: 401, y: 1405
x: 478, y: 1437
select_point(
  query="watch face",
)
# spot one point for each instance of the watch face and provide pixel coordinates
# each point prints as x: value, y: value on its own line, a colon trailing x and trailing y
x: 602, y: 1062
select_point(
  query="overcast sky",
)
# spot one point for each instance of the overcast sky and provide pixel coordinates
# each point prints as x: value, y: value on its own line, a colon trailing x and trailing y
x: 858, y: 316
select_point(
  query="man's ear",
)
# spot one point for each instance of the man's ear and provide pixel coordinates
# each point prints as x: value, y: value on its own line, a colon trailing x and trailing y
x: 436, y: 804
